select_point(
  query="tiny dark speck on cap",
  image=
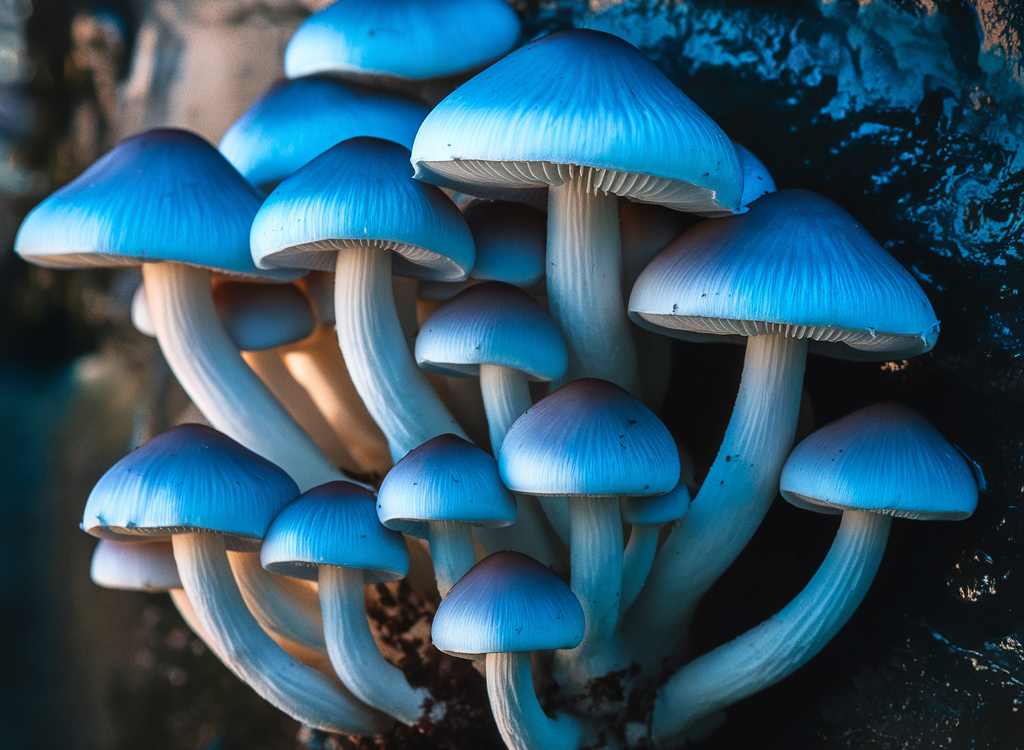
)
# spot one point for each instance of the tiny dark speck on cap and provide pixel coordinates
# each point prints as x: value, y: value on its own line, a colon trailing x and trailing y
x: 632, y: 421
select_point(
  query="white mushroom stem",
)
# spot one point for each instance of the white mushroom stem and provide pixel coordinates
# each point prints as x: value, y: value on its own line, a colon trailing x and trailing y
x: 316, y: 363
x: 636, y: 563
x: 211, y: 370
x: 451, y: 548
x: 181, y: 602
x: 394, y: 389
x: 732, y: 501
x: 288, y: 610
x: 272, y: 370
x: 595, y: 561
x: 779, y: 646
x: 354, y: 653
x: 506, y: 393
x: 237, y: 639
x: 517, y: 712
x: 217, y: 379
x: 584, y: 268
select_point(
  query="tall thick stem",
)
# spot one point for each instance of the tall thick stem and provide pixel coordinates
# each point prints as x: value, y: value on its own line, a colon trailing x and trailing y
x: 354, y: 653
x: 520, y: 718
x: 779, y: 646
x: 238, y: 641
x: 584, y: 269
x: 732, y: 501
x: 217, y: 379
x: 506, y: 398
x: 394, y: 389
x: 595, y: 560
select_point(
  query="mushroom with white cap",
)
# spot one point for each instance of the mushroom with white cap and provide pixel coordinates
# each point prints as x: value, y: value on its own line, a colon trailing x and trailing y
x: 795, y: 271
x: 879, y: 462
x: 505, y: 607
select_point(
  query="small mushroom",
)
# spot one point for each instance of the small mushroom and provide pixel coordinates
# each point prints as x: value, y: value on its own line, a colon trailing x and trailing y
x: 505, y: 607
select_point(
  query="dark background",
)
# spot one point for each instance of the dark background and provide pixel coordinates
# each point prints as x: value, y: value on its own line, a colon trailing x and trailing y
x: 909, y: 114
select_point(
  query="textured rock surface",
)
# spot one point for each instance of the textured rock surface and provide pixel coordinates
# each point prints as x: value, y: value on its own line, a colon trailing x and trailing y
x: 910, y: 115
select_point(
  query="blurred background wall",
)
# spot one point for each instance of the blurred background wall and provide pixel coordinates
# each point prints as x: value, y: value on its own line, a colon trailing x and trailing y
x: 909, y: 113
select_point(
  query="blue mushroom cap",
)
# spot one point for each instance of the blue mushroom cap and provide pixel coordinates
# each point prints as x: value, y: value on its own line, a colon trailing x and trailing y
x: 653, y: 511
x: 296, y: 121
x: 511, y: 242
x: 795, y: 264
x: 445, y: 479
x: 757, y: 180
x: 580, y: 99
x: 334, y: 524
x: 589, y: 438
x: 404, y: 39
x: 163, y: 195
x: 361, y: 193
x: 885, y: 458
x: 191, y: 478
x: 492, y: 324
x: 263, y: 316
x: 508, y: 602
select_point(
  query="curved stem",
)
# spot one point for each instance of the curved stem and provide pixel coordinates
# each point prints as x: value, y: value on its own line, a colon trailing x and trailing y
x: 732, y: 501
x: 354, y: 653
x: 506, y: 393
x: 636, y: 563
x: 779, y: 646
x: 286, y: 609
x: 188, y: 613
x: 394, y: 389
x: 520, y: 718
x: 451, y: 548
x: 216, y: 378
x: 316, y: 363
x: 239, y: 642
x: 271, y: 369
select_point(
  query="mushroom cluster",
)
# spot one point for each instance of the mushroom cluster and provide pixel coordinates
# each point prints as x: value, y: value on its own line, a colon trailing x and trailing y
x: 407, y: 367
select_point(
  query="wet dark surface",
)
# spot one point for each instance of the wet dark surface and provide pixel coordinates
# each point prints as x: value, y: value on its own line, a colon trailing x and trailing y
x: 908, y: 114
